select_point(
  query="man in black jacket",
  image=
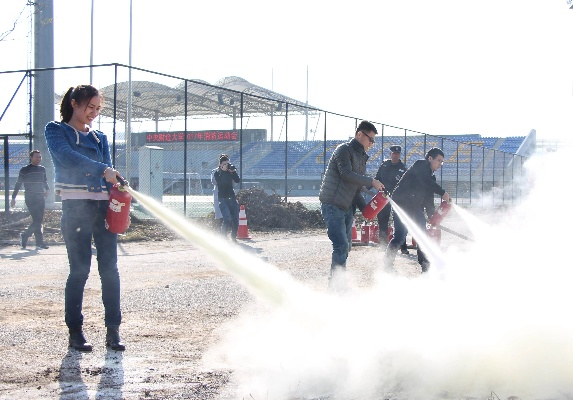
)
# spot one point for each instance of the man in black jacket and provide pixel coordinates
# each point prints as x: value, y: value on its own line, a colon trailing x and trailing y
x: 344, y: 177
x: 33, y: 176
x: 412, y: 194
x: 389, y: 173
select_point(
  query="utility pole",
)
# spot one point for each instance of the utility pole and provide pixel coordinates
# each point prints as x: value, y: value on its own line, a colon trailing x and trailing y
x: 43, y: 100
x: 92, y: 46
x: 128, y: 113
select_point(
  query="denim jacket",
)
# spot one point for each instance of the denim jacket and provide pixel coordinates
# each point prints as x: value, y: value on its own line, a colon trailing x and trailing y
x: 79, y: 160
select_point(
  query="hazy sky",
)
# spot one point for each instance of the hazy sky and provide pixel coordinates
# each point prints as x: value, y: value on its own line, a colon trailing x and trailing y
x: 491, y: 67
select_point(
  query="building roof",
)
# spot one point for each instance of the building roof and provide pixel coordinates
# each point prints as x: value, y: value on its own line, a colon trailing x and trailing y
x: 155, y: 101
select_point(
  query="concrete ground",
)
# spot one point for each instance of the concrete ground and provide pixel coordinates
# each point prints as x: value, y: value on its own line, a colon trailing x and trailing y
x: 175, y: 301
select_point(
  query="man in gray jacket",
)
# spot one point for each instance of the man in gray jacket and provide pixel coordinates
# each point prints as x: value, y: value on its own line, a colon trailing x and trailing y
x: 344, y: 177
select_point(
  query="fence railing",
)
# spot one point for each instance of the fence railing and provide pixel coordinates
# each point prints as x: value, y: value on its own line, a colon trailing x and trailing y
x: 174, y: 129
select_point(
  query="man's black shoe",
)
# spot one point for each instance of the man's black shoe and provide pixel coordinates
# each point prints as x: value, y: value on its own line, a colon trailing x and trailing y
x: 113, y: 340
x: 78, y: 340
x: 42, y: 246
x: 405, y: 251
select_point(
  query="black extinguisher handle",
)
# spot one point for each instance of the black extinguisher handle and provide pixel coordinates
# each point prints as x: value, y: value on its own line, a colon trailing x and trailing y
x: 122, y: 181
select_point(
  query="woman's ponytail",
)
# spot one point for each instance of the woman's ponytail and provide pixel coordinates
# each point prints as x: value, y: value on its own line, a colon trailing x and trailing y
x: 66, y: 109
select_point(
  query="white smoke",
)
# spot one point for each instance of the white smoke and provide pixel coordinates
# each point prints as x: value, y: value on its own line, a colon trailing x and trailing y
x: 497, y: 318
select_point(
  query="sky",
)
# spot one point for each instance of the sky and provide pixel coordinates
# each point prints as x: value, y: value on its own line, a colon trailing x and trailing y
x: 494, y: 68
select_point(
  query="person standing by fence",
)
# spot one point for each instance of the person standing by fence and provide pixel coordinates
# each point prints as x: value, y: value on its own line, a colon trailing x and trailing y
x: 33, y: 176
x: 225, y: 175
x: 344, y: 177
x: 84, y: 176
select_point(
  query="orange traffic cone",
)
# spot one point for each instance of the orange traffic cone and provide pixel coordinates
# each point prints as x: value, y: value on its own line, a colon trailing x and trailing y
x: 243, y: 232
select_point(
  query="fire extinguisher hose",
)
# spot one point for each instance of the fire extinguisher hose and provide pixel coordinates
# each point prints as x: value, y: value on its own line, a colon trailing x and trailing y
x: 454, y: 233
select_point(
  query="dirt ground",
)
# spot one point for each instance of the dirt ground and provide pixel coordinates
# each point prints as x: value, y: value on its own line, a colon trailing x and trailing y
x: 174, y: 301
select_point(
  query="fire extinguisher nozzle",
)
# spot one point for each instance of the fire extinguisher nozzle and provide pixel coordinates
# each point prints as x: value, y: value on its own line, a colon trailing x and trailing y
x: 122, y: 181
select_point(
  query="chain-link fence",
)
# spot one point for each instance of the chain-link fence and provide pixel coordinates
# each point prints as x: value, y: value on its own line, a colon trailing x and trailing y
x: 167, y: 133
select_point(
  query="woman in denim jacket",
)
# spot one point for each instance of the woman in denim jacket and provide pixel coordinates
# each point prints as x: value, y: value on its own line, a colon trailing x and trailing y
x: 83, y: 177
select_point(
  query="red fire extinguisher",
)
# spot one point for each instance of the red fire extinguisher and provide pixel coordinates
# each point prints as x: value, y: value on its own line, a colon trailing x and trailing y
x: 440, y: 213
x: 365, y: 233
x: 374, y: 234
x: 117, y: 218
x: 375, y: 205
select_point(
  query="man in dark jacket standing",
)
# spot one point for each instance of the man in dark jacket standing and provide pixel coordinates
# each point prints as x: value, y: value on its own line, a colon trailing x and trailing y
x: 33, y: 176
x: 389, y: 173
x: 414, y: 191
x: 344, y: 177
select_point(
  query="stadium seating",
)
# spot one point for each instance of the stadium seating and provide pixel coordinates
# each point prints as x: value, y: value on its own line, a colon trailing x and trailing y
x: 465, y: 155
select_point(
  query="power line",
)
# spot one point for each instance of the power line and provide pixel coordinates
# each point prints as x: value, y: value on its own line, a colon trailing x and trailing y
x: 7, y: 33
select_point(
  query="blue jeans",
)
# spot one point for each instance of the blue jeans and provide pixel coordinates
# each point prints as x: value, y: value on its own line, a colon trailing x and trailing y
x: 82, y: 220
x: 230, y: 210
x: 338, y: 225
x: 400, y: 233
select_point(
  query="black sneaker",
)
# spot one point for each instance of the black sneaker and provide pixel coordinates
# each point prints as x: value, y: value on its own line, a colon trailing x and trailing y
x: 42, y: 246
x: 23, y: 240
x: 405, y: 251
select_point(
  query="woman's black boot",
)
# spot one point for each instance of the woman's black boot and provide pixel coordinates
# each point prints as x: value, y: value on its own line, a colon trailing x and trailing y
x: 113, y: 340
x: 78, y: 340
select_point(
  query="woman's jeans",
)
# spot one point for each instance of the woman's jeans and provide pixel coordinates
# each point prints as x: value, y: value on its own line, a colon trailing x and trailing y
x: 338, y: 224
x: 82, y: 220
x: 230, y: 210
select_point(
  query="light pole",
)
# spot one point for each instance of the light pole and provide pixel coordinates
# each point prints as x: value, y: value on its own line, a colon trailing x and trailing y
x: 92, y: 46
x: 129, y: 94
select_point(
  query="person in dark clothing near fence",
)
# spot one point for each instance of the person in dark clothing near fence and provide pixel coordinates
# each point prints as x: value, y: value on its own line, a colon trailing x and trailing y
x: 225, y: 175
x: 389, y: 173
x: 344, y: 177
x: 33, y: 176
x: 413, y: 192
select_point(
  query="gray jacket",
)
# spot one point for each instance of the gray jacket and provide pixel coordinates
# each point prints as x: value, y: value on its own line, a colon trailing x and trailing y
x: 345, y: 175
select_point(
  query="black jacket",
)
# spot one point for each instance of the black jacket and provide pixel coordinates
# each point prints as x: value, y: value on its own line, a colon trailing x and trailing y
x: 225, y: 183
x: 345, y: 175
x: 417, y: 187
x: 389, y: 174
x: 428, y: 202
